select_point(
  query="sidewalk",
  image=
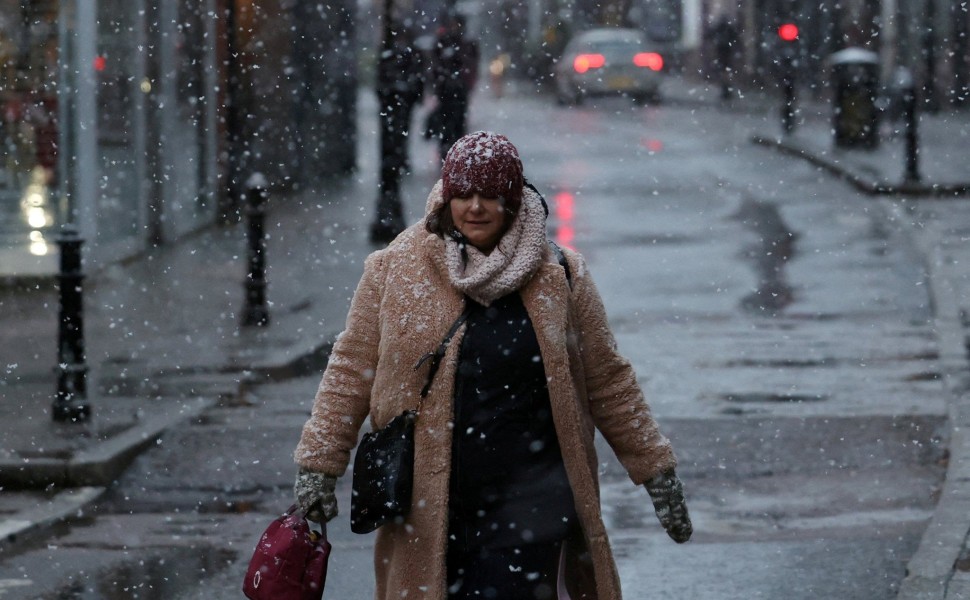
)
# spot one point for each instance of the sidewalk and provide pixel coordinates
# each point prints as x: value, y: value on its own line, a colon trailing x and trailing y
x: 936, y: 210
x: 164, y: 342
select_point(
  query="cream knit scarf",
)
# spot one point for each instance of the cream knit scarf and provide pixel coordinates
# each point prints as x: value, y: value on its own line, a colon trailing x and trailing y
x: 486, y: 278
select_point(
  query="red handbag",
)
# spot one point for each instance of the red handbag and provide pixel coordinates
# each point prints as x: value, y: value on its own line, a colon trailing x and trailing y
x: 290, y: 561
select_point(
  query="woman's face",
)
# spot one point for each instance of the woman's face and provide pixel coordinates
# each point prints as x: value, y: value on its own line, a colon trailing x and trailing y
x: 481, y: 220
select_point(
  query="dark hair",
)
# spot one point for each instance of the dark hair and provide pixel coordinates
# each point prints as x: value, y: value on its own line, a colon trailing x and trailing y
x: 439, y: 222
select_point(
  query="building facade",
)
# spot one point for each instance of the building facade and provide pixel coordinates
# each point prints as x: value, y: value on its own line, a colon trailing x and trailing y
x: 927, y: 37
x: 114, y: 114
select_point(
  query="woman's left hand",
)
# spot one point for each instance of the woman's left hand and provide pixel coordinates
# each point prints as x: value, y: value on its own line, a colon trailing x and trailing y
x: 667, y: 492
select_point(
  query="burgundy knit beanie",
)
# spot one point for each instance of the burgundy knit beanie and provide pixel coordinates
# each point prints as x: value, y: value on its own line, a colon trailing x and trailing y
x: 486, y: 163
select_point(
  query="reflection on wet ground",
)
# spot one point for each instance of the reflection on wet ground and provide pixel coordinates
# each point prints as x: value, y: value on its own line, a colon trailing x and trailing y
x: 155, y: 577
x: 759, y: 397
x: 795, y: 363
x: 776, y: 246
x: 27, y: 211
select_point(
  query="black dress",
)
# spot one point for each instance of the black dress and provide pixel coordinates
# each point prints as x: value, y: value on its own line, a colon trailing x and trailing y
x: 510, y: 502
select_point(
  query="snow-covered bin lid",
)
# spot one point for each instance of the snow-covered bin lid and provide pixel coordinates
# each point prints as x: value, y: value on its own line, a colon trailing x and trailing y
x: 854, y: 56
x: 257, y: 180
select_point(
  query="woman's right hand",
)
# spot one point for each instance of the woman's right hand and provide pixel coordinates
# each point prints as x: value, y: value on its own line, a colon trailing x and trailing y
x: 315, y: 495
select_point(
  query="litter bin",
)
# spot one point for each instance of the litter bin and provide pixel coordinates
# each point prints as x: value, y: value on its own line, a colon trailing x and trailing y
x: 855, y: 82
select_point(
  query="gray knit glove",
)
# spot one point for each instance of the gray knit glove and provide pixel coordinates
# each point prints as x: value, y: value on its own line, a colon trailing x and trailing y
x: 315, y: 495
x: 667, y: 493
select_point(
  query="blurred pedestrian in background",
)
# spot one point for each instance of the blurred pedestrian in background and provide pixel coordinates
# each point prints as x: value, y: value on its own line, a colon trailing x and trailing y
x: 724, y: 37
x: 455, y: 67
x: 401, y: 87
x: 506, y: 492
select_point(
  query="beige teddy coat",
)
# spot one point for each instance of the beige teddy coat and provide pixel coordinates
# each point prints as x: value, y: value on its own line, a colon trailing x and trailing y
x: 403, y: 306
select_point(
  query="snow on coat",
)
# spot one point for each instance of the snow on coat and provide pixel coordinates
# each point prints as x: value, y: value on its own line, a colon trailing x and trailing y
x: 403, y: 306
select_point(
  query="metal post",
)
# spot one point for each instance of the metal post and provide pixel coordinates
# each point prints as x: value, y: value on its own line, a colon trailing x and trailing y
x: 389, y: 220
x: 912, y: 139
x: 234, y: 123
x: 788, y: 83
x: 256, y: 312
x: 930, y: 98
x: 65, y: 114
x: 86, y: 164
x: 70, y: 402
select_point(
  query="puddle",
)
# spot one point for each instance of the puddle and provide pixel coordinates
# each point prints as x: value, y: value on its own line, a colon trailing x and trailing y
x: 301, y: 306
x: 156, y: 577
x: 791, y: 363
x: 647, y: 239
x: 776, y: 246
x: 929, y: 376
x: 815, y: 363
x: 776, y: 398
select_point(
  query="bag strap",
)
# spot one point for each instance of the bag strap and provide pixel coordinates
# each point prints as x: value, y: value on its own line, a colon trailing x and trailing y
x: 562, y: 261
x: 439, y: 353
x: 553, y: 245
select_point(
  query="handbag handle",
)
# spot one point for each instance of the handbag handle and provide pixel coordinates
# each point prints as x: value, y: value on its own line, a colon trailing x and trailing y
x: 303, y: 513
x: 439, y: 353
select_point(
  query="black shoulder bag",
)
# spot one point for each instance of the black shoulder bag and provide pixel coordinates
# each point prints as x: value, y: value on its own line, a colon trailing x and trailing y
x: 384, y: 462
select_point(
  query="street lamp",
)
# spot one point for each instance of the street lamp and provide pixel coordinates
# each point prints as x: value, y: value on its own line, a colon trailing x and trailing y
x: 930, y: 99
x: 389, y: 220
x: 77, y: 148
x: 233, y: 117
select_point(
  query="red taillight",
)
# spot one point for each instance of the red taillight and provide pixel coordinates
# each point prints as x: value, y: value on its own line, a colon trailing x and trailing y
x: 650, y: 60
x: 788, y: 32
x: 585, y: 62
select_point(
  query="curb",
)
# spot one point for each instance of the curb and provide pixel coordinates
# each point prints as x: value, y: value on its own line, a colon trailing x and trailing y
x: 64, y: 506
x: 17, y: 282
x: 101, y: 464
x: 863, y: 184
x: 89, y: 473
x: 311, y: 360
x: 931, y: 569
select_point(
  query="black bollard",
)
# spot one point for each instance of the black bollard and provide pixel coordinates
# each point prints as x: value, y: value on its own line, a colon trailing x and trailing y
x: 908, y: 91
x: 256, y: 312
x: 70, y: 402
x: 788, y: 85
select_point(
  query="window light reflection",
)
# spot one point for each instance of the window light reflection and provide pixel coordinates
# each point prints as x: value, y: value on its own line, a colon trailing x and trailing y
x: 38, y: 245
x: 563, y: 207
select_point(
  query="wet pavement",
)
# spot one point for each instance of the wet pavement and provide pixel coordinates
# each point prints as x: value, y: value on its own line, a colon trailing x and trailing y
x: 785, y: 326
x: 186, y: 526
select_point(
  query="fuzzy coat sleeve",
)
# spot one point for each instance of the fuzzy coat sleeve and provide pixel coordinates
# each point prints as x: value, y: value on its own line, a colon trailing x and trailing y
x: 616, y: 402
x: 343, y: 398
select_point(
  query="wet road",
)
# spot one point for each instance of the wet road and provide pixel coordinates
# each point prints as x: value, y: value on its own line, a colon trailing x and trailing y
x: 779, y: 324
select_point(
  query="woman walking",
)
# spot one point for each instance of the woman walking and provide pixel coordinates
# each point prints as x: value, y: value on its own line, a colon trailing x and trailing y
x: 506, y: 493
